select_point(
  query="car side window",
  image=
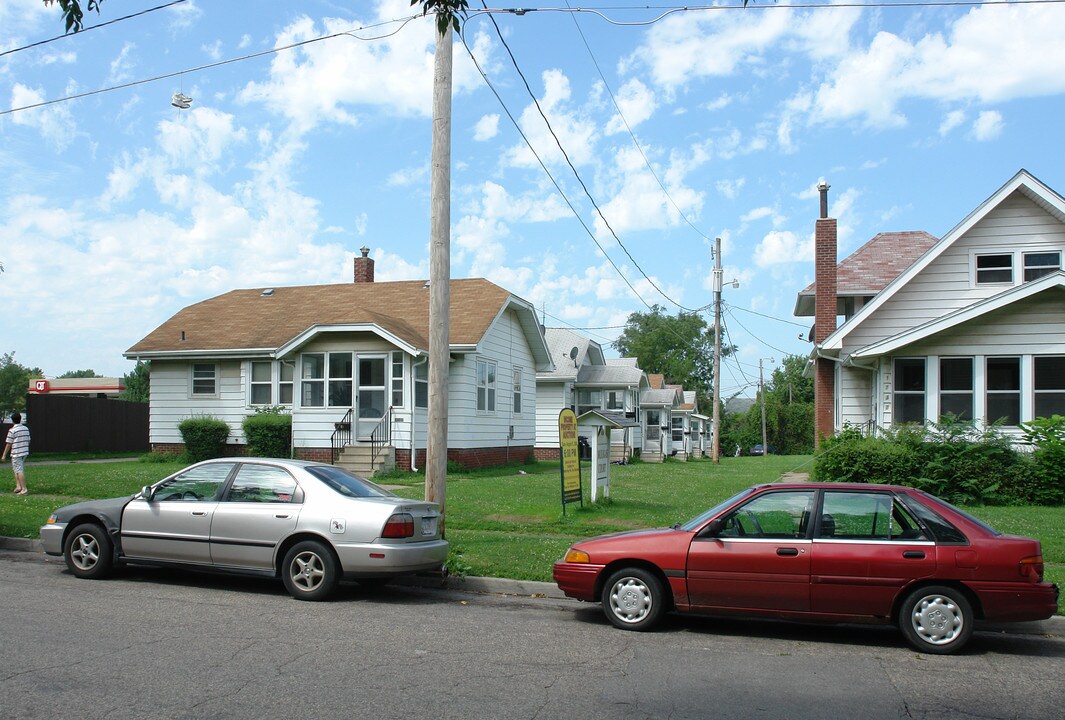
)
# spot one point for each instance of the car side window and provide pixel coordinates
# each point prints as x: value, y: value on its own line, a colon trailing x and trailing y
x: 198, y: 484
x: 772, y: 515
x: 262, y: 483
x: 866, y: 516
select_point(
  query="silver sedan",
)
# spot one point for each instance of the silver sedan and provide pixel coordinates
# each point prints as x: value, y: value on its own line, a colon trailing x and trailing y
x: 308, y: 522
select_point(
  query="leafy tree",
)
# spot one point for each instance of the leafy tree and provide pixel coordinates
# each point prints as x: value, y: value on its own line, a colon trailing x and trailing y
x: 14, y: 380
x: 789, y: 413
x: 79, y: 374
x: 680, y: 347
x: 137, y: 382
x: 72, y: 12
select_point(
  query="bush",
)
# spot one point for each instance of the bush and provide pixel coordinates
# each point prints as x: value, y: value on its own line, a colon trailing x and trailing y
x: 269, y: 434
x: 1048, y: 458
x: 205, y: 438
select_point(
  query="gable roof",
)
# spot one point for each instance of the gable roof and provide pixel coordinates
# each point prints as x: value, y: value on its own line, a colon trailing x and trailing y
x: 658, y: 397
x: 870, y: 268
x: 560, y: 344
x: 657, y: 381
x: 611, y: 375
x: 1023, y: 182
x: 272, y: 322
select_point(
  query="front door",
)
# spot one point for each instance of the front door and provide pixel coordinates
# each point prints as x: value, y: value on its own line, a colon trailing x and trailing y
x: 370, y: 393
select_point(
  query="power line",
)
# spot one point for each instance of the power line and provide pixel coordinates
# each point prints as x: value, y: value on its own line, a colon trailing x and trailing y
x: 768, y: 317
x: 91, y: 27
x: 574, y: 327
x: 756, y: 337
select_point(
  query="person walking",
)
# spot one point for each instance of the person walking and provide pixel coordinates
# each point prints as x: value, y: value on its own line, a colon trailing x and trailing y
x: 18, y: 447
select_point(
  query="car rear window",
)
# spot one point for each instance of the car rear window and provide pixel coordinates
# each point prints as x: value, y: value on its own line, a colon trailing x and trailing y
x: 944, y: 531
x: 347, y: 484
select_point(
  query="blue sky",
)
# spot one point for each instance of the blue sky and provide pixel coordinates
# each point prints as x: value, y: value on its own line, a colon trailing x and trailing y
x: 118, y: 209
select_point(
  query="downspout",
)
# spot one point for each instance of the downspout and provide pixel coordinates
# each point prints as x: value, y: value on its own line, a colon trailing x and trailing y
x: 414, y: 414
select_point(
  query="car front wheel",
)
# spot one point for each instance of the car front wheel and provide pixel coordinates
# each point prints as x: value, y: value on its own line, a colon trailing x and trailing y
x: 936, y: 619
x: 633, y: 599
x: 310, y: 571
x: 88, y: 551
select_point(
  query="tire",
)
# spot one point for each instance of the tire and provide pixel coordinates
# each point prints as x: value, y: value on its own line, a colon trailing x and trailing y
x: 633, y: 599
x: 936, y: 619
x: 88, y: 551
x: 309, y: 571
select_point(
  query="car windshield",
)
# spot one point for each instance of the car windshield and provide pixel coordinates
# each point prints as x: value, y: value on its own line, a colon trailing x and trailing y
x: 692, y: 524
x: 347, y: 484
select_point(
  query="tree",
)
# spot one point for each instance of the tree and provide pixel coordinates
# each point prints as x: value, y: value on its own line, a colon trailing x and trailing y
x: 137, y: 382
x: 14, y: 381
x: 681, y: 348
x: 72, y: 12
x: 79, y: 374
x: 789, y: 413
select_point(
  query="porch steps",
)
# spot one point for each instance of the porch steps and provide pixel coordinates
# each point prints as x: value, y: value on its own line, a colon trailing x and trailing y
x: 356, y: 459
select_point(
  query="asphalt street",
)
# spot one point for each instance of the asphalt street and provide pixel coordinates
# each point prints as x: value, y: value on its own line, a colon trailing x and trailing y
x: 158, y: 644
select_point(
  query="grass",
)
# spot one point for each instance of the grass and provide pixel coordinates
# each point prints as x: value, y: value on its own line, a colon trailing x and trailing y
x: 509, y: 522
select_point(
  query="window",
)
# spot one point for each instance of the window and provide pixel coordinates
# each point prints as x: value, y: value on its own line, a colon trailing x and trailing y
x: 652, y: 424
x: 866, y: 516
x: 284, y: 385
x: 262, y: 382
x: 1004, y: 390
x: 678, y: 429
x: 615, y: 400
x: 421, y: 385
x: 262, y: 483
x: 589, y: 400
x: 312, y: 373
x: 397, y: 379
x: 486, y: 386
x: 340, y: 379
x: 517, y: 391
x: 956, y: 387
x: 1049, y: 386
x: 1036, y: 265
x: 994, y: 269
x: 773, y: 515
x: 204, y: 379
x: 199, y: 484
x: 908, y: 405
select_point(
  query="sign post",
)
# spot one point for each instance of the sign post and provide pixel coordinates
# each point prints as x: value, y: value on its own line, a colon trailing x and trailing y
x: 569, y: 458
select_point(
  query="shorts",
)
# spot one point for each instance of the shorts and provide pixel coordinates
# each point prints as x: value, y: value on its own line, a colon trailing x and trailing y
x: 18, y: 464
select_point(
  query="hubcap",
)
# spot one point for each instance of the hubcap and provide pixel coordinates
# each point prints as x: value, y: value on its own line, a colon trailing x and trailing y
x: 307, y: 571
x: 937, y: 620
x: 630, y: 600
x: 85, y: 552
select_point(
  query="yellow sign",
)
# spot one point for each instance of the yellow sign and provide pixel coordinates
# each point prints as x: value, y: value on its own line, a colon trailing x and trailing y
x: 570, y: 458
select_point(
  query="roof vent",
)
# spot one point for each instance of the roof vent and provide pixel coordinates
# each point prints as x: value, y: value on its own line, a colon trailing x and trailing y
x: 267, y: 292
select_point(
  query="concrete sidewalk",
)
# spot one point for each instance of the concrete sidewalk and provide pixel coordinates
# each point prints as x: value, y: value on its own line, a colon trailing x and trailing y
x: 1052, y: 627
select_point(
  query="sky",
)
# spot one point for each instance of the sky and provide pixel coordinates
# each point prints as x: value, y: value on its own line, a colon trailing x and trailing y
x: 665, y: 129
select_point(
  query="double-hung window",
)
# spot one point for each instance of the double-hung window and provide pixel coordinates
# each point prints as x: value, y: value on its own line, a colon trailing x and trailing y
x: 341, y: 372
x: 956, y: 388
x: 486, y: 386
x: 262, y: 382
x: 421, y: 384
x: 397, y: 379
x: 205, y: 379
x: 286, y: 370
x: 908, y: 397
x: 1049, y: 382
x: 312, y: 377
x: 517, y: 391
x: 589, y: 400
x: 1003, y: 390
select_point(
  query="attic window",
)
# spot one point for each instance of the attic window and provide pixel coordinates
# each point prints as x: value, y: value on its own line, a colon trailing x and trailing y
x: 994, y: 269
x: 1038, y: 264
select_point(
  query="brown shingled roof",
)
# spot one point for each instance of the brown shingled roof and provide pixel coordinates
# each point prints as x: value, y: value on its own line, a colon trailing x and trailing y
x: 253, y: 320
x: 870, y: 268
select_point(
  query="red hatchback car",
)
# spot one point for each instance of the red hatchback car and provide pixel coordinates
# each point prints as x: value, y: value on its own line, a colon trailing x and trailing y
x: 827, y: 552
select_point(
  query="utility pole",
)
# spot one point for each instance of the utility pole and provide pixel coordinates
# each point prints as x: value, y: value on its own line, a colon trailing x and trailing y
x: 439, y: 275
x: 761, y: 393
x: 715, y: 444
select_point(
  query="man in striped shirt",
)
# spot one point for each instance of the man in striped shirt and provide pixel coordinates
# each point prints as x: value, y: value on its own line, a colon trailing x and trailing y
x: 18, y: 446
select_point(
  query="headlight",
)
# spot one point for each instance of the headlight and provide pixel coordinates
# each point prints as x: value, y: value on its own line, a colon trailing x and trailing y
x: 577, y: 556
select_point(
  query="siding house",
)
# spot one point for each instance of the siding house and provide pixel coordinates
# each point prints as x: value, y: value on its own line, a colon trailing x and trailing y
x: 971, y: 325
x: 659, y: 402
x: 352, y: 357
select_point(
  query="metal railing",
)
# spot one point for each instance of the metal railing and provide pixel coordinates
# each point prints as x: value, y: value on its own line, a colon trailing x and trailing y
x: 341, y: 436
x: 381, y: 437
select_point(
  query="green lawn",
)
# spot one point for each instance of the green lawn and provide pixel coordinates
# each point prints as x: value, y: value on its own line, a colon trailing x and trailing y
x: 509, y: 522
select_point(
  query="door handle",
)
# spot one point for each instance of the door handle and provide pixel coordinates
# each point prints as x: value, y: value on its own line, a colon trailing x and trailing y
x: 280, y: 517
x: 787, y: 552
x: 913, y: 555
x: 200, y: 513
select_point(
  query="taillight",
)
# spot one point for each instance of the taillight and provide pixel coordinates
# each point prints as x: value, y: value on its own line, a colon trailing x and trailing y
x: 1032, y: 568
x: 400, y: 525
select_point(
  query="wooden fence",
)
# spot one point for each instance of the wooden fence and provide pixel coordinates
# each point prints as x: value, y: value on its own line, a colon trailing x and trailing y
x: 61, y: 423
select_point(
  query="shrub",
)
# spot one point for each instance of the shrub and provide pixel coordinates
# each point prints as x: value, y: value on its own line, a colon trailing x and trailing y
x: 159, y: 456
x: 1047, y: 435
x: 269, y: 434
x: 205, y: 438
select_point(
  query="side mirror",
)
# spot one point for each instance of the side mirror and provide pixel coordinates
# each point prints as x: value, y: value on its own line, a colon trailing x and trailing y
x: 146, y: 493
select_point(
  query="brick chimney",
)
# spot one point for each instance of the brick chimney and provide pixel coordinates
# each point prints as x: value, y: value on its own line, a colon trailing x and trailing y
x: 824, y: 319
x: 364, y: 266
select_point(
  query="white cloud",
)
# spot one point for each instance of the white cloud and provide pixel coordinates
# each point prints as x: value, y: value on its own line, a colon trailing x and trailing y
x: 55, y: 123
x: 951, y: 121
x: 486, y: 128
x: 637, y: 104
x: 574, y: 129
x: 730, y: 188
x: 640, y: 203
x: 988, y: 126
x: 783, y: 246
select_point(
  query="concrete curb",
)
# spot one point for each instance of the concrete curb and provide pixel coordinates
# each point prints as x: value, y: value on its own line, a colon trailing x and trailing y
x: 1052, y: 627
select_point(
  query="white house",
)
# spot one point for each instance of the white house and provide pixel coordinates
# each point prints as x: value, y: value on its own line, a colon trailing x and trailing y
x: 659, y: 402
x: 972, y: 324
x: 351, y: 359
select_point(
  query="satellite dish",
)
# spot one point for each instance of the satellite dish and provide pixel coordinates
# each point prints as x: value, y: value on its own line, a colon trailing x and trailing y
x: 573, y: 355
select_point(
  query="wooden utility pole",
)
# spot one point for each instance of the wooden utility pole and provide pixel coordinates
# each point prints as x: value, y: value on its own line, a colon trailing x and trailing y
x: 715, y: 443
x: 439, y: 275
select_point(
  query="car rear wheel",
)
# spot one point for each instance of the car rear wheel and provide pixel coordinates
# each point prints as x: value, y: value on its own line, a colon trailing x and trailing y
x: 633, y: 599
x: 310, y: 571
x: 88, y: 551
x: 936, y: 619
